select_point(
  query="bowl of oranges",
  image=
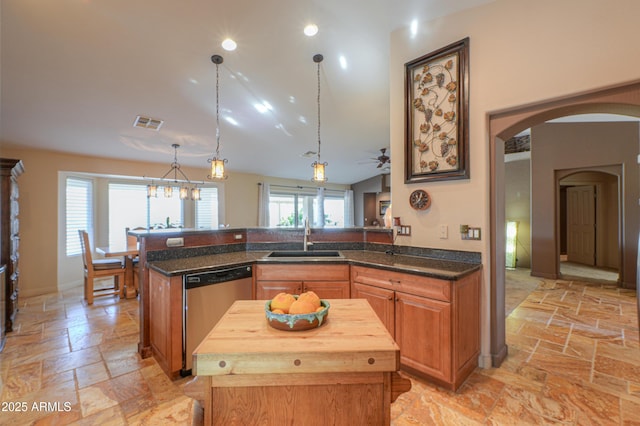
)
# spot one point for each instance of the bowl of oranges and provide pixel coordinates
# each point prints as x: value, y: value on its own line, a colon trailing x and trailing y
x: 291, y: 312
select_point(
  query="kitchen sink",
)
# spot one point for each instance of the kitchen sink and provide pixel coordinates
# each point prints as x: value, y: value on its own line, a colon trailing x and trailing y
x: 304, y: 254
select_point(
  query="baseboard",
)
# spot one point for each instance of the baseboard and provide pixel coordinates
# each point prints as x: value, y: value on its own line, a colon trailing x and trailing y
x: 484, y: 361
x: 496, y: 359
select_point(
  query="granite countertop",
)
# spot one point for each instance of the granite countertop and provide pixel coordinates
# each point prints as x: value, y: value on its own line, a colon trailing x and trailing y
x: 436, y: 268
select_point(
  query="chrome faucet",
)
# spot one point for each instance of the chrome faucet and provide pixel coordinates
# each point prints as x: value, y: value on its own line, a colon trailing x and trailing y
x: 307, y: 232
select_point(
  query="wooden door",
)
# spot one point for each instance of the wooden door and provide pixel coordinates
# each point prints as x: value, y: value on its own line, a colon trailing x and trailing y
x: 423, y: 332
x: 381, y: 300
x: 581, y: 224
x: 370, y: 211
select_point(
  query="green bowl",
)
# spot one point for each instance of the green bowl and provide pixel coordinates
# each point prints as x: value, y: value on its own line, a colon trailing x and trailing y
x: 297, y: 322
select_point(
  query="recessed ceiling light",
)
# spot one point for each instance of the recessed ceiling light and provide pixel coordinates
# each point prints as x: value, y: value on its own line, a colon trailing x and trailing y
x: 311, y: 30
x: 228, y: 44
x: 343, y: 62
x: 414, y: 28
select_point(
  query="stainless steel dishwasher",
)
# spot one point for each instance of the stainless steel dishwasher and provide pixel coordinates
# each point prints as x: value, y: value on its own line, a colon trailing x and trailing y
x: 207, y: 296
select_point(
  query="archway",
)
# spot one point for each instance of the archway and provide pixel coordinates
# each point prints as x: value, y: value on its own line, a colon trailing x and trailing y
x: 623, y: 100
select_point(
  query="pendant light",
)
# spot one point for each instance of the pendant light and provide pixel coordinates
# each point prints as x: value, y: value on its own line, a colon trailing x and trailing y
x: 319, y: 174
x: 187, y: 187
x: 217, y: 163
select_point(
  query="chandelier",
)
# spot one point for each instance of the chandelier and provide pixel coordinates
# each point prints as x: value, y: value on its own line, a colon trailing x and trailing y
x: 186, y: 187
x: 319, y: 167
x: 217, y: 163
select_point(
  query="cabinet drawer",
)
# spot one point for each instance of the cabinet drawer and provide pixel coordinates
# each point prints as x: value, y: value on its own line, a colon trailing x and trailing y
x: 413, y: 284
x: 302, y: 272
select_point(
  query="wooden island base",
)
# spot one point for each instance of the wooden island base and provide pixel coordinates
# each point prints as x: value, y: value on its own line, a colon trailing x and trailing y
x: 305, y: 399
x: 342, y: 373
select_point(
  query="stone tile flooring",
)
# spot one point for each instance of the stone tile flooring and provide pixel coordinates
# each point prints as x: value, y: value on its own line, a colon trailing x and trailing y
x: 574, y: 359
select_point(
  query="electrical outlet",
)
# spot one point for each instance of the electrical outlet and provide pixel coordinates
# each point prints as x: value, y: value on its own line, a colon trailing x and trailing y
x: 444, y: 232
x: 175, y: 242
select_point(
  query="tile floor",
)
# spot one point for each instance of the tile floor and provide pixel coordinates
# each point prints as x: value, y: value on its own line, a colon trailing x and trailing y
x: 574, y: 359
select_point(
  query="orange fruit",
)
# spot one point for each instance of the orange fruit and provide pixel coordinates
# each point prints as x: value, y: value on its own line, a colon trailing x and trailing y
x: 302, y: 307
x: 320, y: 308
x: 311, y: 297
x: 282, y: 301
x: 277, y: 311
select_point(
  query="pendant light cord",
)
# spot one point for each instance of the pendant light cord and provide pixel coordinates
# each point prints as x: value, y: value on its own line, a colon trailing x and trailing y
x: 318, y: 111
x: 217, y: 111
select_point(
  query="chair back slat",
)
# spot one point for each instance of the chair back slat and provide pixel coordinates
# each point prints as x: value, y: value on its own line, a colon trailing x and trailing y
x: 87, y: 259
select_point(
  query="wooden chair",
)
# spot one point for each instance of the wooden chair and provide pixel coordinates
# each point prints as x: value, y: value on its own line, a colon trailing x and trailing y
x: 100, y: 268
x: 133, y: 240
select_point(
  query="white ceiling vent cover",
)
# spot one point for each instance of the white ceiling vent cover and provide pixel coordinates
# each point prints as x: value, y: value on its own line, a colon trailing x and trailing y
x: 148, y: 123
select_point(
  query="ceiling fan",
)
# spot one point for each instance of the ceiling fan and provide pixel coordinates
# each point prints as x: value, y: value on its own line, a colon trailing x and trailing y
x: 383, y: 160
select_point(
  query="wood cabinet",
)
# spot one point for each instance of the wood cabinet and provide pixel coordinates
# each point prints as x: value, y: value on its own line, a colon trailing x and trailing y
x: 165, y: 318
x: 381, y: 300
x: 328, y: 281
x: 10, y: 170
x: 435, y: 322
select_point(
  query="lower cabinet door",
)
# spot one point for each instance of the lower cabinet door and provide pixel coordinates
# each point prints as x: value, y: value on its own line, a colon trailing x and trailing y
x: 268, y: 289
x: 423, y: 332
x: 381, y: 300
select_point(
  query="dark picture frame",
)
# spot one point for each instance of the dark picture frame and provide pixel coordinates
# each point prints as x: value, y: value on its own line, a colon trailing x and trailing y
x: 383, y: 206
x: 436, y: 115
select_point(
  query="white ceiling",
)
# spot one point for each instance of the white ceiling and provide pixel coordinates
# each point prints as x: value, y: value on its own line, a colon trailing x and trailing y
x: 76, y: 73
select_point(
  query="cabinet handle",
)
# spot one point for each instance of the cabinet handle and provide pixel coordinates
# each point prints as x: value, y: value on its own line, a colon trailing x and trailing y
x: 394, y: 281
x: 390, y: 298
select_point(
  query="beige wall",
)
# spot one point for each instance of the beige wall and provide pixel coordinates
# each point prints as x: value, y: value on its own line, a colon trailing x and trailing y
x: 512, y: 63
x: 44, y: 266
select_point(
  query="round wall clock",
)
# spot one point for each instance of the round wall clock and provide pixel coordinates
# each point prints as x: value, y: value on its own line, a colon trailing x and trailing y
x: 419, y: 199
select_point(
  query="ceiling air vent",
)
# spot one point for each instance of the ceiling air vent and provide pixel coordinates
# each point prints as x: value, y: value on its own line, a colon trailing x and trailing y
x: 148, y: 123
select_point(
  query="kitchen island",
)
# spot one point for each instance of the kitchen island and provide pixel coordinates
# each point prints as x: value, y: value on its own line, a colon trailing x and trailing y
x: 343, y: 372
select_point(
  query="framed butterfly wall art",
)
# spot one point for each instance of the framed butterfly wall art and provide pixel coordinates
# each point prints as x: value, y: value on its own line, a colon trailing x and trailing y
x: 436, y: 115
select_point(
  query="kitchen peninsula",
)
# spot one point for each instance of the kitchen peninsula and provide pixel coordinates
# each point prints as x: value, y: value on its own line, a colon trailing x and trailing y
x: 427, y: 299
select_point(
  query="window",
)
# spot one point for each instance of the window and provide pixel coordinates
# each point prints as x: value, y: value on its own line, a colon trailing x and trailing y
x: 207, y: 208
x: 79, y: 212
x: 127, y: 209
x: 165, y: 212
x: 334, y: 212
x: 289, y: 207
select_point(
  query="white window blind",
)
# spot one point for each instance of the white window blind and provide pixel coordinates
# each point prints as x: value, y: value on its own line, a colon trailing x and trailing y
x: 127, y: 209
x: 79, y: 212
x: 207, y: 208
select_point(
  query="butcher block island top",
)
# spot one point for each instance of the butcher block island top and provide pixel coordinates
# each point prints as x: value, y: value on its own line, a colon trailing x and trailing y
x: 342, y: 372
